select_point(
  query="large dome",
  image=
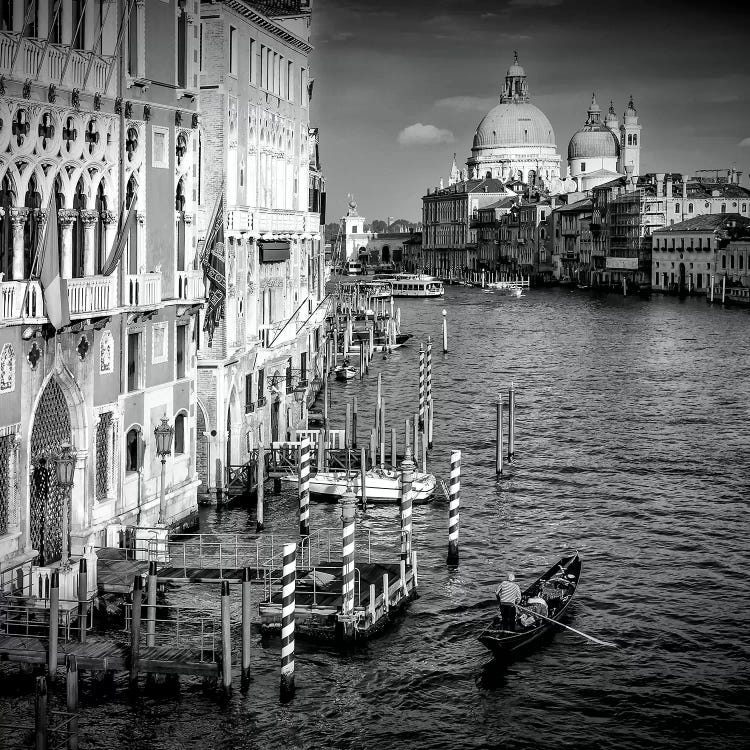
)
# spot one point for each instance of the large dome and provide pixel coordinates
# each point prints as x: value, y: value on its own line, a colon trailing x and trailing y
x: 593, y: 141
x: 514, y: 124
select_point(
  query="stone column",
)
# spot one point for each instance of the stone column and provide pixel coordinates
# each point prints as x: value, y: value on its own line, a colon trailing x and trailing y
x: 14, y: 520
x: 79, y: 511
x: 65, y: 218
x: 110, y: 231
x: 190, y: 258
x: 18, y: 220
x: 89, y: 219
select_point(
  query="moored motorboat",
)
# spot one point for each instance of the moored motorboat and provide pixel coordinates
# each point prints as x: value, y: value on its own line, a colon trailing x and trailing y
x: 382, y: 486
x: 556, y: 587
x: 345, y: 372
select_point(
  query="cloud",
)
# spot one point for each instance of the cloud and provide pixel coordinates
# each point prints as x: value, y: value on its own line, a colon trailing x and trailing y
x: 424, y: 135
x: 468, y: 103
x: 535, y: 3
x: 745, y: 142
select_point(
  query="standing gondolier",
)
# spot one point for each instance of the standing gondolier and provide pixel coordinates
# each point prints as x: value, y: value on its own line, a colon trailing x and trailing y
x: 509, y: 594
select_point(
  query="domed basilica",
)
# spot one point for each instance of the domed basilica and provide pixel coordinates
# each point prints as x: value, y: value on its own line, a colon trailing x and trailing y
x: 515, y: 140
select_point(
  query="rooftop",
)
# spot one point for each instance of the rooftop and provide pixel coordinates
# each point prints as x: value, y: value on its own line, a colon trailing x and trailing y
x: 708, y: 223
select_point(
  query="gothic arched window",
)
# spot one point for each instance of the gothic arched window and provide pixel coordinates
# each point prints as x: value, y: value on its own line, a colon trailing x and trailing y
x: 7, y: 200
x: 690, y: 208
x: 79, y: 235
x: 32, y: 227
x: 635, y: 139
x: 101, y: 207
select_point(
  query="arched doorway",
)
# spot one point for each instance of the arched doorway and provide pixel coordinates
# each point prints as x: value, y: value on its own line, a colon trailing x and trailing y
x: 682, y: 278
x: 201, y: 457
x: 386, y: 254
x: 229, y: 437
x: 275, y: 410
x: 51, y: 428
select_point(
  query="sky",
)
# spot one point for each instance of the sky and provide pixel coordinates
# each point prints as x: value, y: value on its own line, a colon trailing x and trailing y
x: 400, y: 85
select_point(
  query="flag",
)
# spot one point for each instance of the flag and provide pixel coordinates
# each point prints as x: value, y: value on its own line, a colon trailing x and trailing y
x: 123, y: 234
x: 212, y: 260
x: 54, y: 287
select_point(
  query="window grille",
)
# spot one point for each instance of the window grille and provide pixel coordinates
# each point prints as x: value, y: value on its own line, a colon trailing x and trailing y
x: 7, y: 455
x: 103, y: 455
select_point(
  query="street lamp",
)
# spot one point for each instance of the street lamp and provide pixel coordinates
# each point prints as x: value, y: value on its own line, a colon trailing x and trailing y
x: 164, y: 432
x: 65, y: 466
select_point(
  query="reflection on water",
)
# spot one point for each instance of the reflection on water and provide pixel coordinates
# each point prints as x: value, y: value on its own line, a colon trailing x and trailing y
x: 631, y: 446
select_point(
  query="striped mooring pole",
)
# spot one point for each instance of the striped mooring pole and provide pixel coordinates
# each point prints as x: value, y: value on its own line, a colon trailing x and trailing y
x: 288, y: 580
x: 511, y: 421
x: 499, y: 437
x: 421, y: 386
x: 405, y: 504
x: 304, y: 487
x: 454, y: 491
x: 348, y: 507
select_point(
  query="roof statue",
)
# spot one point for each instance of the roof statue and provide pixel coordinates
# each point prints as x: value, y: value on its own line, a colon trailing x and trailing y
x: 352, y: 210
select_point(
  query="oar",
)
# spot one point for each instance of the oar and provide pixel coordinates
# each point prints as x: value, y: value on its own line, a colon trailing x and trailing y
x: 567, y: 627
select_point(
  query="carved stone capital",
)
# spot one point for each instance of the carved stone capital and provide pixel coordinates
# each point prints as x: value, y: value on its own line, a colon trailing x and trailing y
x: 66, y: 216
x: 109, y: 217
x: 89, y: 217
x: 18, y: 217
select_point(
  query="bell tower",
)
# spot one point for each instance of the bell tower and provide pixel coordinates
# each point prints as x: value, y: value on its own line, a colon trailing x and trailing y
x: 630, y: 140
x: 516, y: 88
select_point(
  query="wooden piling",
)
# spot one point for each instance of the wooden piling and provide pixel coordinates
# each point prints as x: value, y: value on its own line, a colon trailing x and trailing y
x: 415, y: 436
x: 83, y: 600
x: 424, y: 453
x: 373, y: 449
x: 153, y: 581
x: 445, y: 332
x: 393, y: 447
x: 71, y: 685
x: 246, y: 624
x: 226, y: 639
x: 499, y: 435
x: 325, y: 403
x: 421, y: 386
x: 348, y: 525
x: 402, y: 576
x: 414, y: 569
x: 511, y: 421
x: 288, y: 581
x: 372, y: 602
x: 347, y: 427
x: 260, y: 493
x: 321, y: 450
x: 428, y: 382
x: 304, y: 487
x: 135, y: 629
x: 40, y: 715
x: 382, y: 433
x: 386, y: 594
x: 405, y: 504
x: 407, y: 434
x: 363, y: 477
x: 723, y: 289
x: 354, y: 423
x: 54, y: 619
x: 454, y: 490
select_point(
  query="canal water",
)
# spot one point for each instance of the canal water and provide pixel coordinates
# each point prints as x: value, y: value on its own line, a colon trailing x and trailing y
x: 631, y: 446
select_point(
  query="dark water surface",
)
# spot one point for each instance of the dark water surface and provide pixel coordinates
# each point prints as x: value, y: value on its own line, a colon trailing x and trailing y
x: 631, y: 446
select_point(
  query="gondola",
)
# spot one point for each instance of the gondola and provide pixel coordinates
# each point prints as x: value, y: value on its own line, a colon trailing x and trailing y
x: 556, y: 586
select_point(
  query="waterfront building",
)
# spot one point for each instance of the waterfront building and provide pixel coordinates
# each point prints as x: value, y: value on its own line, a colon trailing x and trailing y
x: 96, y: 120
x: 687, y: 255
x: 573, y: 255
x: 413, y: 260
x: 515, y: 140
x: 487, y: 224
x: 260, y: 167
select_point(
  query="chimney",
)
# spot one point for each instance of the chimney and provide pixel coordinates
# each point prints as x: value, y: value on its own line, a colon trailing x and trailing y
x: 668, y: 186
x: 685, y: 178
x: 660, y: 183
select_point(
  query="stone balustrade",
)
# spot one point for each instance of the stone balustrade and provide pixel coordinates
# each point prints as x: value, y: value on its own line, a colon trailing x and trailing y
x: 191, y: 285
x: 142, y: 289
x: 21, y: 299
x: 93, y: 294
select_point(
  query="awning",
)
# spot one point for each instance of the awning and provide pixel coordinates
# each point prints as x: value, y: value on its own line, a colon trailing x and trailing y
x: 273, y: 251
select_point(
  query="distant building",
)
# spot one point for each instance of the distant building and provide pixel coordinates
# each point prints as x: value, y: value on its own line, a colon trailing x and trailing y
x: 685, y: 256
x: 488, y: 226
x: 573, y: 253
x: 515, y: 140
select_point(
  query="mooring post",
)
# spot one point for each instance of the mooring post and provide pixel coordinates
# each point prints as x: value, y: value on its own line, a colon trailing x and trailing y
x: 372, y: 603
x: 421, y: 386
x: 288, y: 581
x: 54, y: 620
x: 445, y: 332
x: 246, y: 624
x: 511, y: 421
x: 321, y: 450
x: 363, y: 477
x: 454, y: 491
x: 415, y: 436
x: 382, y: 433
x: 405, y: 504
x: 71, y: 685
x: 260, y: 491
x: 393, y: 447
x: 40, y: 715
x: 153, y: 581
x: 712, y: 287
x: 407, y: 434
x: 348, y: 527
x: 386, y: 594
x: 354, y: 423
x: 304, y: 487
x: 499, y: 438
x: 377, y: 406
x: 83, y: 602
x: 431, y: 408
x: 325, y: 403
x: 135, y: 630
x: 415, y: 583
x: 226, y: 639
x: 424, y: 453
x: 347, y: 428
x: 361, y: 359
x: 428, y: 380
x: 373, y: 449
x: 723, y: 288
x: 402, y: 576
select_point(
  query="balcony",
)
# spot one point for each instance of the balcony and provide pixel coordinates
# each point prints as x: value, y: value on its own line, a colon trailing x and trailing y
x: 191, y: 285
x: 17, y: 302
x: 77, y: 75
x: 280, y: 220
x: 93, y: 294
x: 142, y: 289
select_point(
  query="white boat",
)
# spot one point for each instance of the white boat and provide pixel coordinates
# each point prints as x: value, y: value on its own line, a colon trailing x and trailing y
x: 345, y: 372
x: 353, y: 268
x: 405, y: 285
x: 383, y: 486
x: 505, y: 289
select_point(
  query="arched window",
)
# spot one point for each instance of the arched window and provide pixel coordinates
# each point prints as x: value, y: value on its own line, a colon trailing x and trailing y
x: 723, y: 208
x: 630, y: 139
x: 133, y: 451
x: 690, y: 208
x: 132, y: 264
x: 635, y: 139
x: 488, y: 175
x: 677, y: 208
x: 179, y: 205
x: 101, y: 207
x: 179, y: 434
x: 7, y: 200
x: 744, y: 208
x: 32, y: 228
x: 79, y: 235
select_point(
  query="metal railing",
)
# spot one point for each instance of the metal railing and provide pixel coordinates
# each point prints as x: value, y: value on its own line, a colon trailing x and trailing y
x: 30, y: 618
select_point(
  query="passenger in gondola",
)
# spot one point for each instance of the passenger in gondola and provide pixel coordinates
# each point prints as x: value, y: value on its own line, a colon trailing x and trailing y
x: 508, y: 594
x: 346, y: 361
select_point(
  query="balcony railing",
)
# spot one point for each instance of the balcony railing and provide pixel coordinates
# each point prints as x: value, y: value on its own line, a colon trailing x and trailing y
x: 17, y: 302
x: 280, y: 220
x: 142, y: 289
x: 190, y: 285
x: 92, y: 294
x: 53, y: 63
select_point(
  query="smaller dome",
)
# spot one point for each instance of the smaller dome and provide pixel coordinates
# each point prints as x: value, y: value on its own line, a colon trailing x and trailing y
x: 593, y: 141
x: 515, y: 71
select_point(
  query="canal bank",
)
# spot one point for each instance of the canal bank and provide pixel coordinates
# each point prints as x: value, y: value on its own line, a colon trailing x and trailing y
x: 629, y: 445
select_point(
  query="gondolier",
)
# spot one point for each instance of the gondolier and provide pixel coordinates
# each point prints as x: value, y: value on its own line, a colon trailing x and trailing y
x: 509, y: 594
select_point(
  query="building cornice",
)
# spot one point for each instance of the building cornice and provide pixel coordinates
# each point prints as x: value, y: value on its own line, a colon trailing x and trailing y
x: 252, y: 15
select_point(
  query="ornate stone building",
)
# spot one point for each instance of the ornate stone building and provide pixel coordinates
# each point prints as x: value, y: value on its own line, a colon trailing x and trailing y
x: 259, y: 151
x: 94, y: 125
